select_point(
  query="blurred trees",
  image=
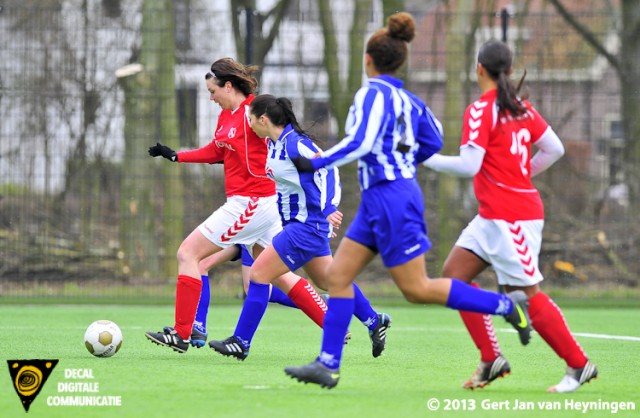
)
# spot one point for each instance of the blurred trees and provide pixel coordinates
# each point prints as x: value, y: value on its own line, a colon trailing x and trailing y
x: 150, y: 117
x: 254, y: 50
x: 627, y: 66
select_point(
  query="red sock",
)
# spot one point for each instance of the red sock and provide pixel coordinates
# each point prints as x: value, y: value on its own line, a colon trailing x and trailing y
x: 482, y: 332
x: 309, y: 302
x: 187, y: 297
x: 547, y: 319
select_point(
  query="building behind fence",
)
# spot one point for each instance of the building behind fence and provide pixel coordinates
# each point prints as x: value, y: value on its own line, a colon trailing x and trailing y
x: 62, y: 139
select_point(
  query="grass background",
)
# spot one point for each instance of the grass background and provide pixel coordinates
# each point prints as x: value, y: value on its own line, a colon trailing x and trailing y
x: 429, y: 355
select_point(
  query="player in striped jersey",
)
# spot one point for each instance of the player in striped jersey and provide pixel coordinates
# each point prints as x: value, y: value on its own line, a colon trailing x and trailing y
x: 389, y: 131
x: 250, y: 214
x: 498, y: 131
x: 307, y: 203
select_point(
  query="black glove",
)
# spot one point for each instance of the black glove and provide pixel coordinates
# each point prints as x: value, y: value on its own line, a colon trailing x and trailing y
x: 303, y: 164
x: 162, y: 150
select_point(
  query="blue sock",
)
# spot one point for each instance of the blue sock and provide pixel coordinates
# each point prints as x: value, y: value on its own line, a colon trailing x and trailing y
x: 363, y: 310
x: 468, y: 298
x: 253, y: 309
x: 336, y: 325
x: 278, y: 296
x: 200, y: 322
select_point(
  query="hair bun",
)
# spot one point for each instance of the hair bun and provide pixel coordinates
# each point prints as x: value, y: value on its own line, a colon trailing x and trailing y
x: 401, y: 26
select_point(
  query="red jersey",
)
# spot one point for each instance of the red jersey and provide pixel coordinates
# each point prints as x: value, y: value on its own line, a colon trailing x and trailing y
x: 503, y: 185
x: 243, y: 153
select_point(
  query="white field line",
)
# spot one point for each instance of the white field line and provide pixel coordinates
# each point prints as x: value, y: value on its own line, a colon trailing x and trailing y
x: 589, y: 335
x: 394, y: 329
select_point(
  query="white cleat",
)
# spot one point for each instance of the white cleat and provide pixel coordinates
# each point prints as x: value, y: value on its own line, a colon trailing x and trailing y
x: 575, y: 378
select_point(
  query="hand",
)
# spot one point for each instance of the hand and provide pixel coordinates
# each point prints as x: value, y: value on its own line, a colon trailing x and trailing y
x: 335, y: 219
x: 303, y: 164
x: 162, y: 150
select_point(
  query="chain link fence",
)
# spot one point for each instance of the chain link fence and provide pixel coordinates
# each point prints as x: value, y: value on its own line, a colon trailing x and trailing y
x: 85, y: 214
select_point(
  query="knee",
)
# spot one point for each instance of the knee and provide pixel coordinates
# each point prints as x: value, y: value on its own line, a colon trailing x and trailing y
x: 184, y: 254
x: 411, y: 296
x: 418, y: 292
x: 321, y: 283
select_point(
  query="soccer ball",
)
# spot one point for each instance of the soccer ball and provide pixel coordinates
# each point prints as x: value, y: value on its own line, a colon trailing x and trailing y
x: 103, y: 338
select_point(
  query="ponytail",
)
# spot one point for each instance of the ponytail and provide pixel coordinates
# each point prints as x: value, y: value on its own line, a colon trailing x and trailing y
x: 496, y: 58
x: 278, y: 110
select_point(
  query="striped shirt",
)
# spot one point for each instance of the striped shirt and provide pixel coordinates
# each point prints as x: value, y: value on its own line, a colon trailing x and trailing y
x: 389, y: 130
x: 302, y: 197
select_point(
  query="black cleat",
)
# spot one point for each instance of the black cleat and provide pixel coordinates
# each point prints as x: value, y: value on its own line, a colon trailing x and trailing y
x: 379, y: 334
x: 169, y: 338
x: 487, y: 372
x: 198, y: 339
x: 315, y: 372
x: 519, y: 316
x: 230, y: 347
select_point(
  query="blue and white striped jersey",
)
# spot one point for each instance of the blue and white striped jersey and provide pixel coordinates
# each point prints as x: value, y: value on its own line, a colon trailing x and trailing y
x: 389, y: 130
x: 302, y: 197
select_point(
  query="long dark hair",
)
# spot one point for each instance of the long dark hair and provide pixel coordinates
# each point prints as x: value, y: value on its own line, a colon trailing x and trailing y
x: 496, y: 58
x: 278, y: 110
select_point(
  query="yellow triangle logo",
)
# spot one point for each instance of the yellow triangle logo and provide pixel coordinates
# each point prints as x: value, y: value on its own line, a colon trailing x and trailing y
x: 28, y: 377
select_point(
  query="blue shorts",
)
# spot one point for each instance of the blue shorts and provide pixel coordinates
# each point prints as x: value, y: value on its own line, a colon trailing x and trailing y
x: 247, y: 259
x: 390, y: 220
x: 299, y: 243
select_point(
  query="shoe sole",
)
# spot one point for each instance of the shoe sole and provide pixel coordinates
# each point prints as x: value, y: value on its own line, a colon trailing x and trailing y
x: 594, y: 377
x: 229, y: 354
x: 483, y: 385
x: 322, y: 385
x: 162, y: 343
x: 197, y: 343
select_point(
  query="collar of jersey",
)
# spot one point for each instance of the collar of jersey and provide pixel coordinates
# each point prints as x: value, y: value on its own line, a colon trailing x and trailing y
x: 386, y: 78
x: 287, y: 130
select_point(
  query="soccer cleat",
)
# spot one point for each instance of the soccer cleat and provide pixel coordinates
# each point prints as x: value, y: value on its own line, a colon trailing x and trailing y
x: 198, y: 339
x: 575, y: 378
x: 519, y: 316
x: 169, y: 338
x: 315, y: 372
x: 230, y: 347
x: 487, y: 372
x: 378, y: 335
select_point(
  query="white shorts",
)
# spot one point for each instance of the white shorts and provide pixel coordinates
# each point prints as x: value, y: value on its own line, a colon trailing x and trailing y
x: 511, y: 248
x: 243, y: 220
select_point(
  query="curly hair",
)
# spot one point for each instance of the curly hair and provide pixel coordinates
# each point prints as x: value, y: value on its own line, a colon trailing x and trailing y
x: 388, y: 47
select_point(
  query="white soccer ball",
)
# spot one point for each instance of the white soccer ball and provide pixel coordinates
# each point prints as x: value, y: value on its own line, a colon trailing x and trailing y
x: 103, y: 338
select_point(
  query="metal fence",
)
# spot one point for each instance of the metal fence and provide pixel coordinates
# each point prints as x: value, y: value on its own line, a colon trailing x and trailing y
x: 68, y: 229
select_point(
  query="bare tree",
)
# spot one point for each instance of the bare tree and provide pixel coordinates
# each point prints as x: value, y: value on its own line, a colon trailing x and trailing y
x: 341, y: 88
x: 627, y: 66
x: 151, y: 116
x: 263, y: 36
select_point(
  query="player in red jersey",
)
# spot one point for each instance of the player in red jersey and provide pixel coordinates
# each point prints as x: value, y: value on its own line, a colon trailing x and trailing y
x: 498, y: 131
x: 249, y: 216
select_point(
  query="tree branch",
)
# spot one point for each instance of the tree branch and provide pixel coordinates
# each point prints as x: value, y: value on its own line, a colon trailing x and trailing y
x: 588, y: 36
x: 279, y: 10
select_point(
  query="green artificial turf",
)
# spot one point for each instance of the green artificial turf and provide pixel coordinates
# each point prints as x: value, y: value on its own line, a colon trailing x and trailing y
x: 429, y: 355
